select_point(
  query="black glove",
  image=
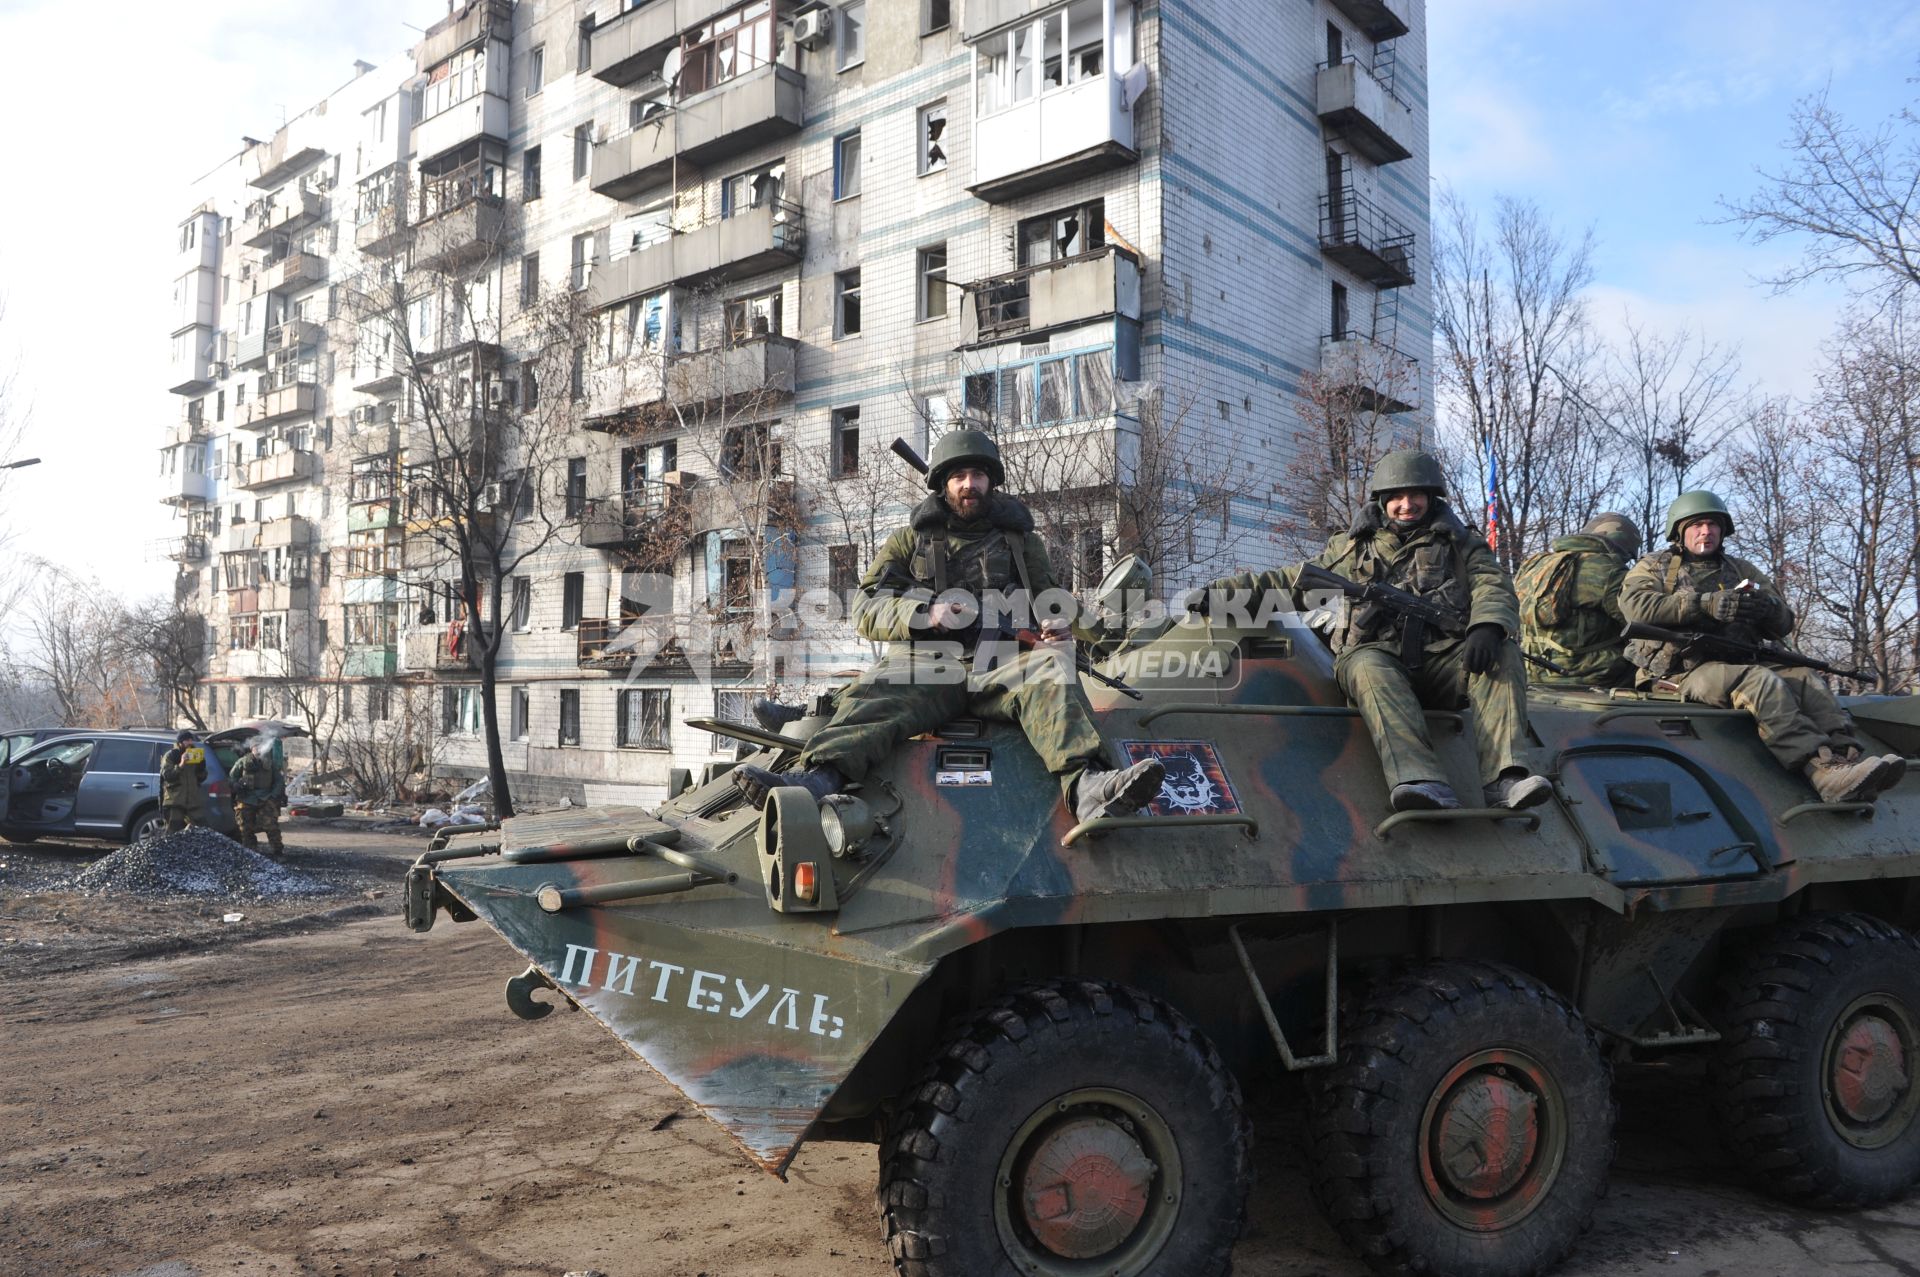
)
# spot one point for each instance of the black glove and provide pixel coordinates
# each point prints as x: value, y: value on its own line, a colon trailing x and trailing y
x: 1731, y: 607
x: 1483, y: 646
x: 1200, y: 602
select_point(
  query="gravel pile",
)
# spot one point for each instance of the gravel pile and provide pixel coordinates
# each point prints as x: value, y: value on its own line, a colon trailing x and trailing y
x: 194, y: 862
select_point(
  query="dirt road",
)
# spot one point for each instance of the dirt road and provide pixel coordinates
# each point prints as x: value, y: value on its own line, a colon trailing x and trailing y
x: 358, y: 1100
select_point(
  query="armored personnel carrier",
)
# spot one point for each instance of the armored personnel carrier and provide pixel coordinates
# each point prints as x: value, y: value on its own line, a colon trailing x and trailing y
x: 1046, y: 1027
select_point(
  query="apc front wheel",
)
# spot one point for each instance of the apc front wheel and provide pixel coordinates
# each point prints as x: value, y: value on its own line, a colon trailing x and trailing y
x: 1814, y: 1080
x: 1467, y: 1129
x: 1070, y: 1128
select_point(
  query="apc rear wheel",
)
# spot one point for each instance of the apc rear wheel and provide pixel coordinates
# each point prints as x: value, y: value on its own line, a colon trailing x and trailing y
x: 1468, y: 1127
x: 1068, y: 1129
x: 1814, y: 1079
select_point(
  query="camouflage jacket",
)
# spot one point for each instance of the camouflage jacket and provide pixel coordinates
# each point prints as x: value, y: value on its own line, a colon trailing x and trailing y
x: 998, y: 552
x: 1441, y: 559
x: 255, y: 780
x: 1570, y: 609
x: 1667, y: 588
x: 182, y: 783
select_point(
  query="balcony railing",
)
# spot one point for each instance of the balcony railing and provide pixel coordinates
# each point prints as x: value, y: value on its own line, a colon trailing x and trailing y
x: 1363, y: 237
x: 1373, y: 376
x: 460, y: 235
x: 285, y: 213
x: 291, y: 466
x: 191, y: 548
x: 1380, y: 19
x: 278, y: 404
x: 612, y: 642
x: 291, y: 273
x: 1038, y: 299
x: 750, y: 242
x: 1356, y: 105
x: 450, y: 648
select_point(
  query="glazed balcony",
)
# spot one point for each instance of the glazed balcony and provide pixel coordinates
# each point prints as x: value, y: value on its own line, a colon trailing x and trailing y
x: 192, y: 370
x: 475, y: 22
x: 1029, y: 134
x: 1380, y: 19
x: 459, y: 236
x: 382, y: 226
x: 737, y: 115
x: 280, y: 404
x: 294, y: 465
x: 630, y: 47
x: 363, y: 660
x: 480, y: 118
x: 1362, y: 110
x: 290, y: 274
x: 632, y: 394
x: 250, y: 349
x: 439, y: 649
x: 373, y: 587
x: 1038, y: 299
x: 184, y: 479
x: 286, y: 212
x: 750, y: 242
x: 1364, y: 238
x: 1371, y: 376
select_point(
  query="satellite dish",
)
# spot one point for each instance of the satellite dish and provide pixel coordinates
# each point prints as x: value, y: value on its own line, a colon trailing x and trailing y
x: 670, y: 68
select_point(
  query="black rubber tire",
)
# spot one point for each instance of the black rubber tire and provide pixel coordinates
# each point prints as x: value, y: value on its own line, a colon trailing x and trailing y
x: 1367, y: 1115
x: 19, y: 838
x: 1006, y: 1066
x: 151, y: 816
x: 1780, y: 1007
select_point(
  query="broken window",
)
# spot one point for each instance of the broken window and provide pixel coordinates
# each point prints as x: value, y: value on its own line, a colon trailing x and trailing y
x: 759, y: 187
x: 846, y: 303
x: 845, y: 458
x: 749, y: 318
x: 569, y: 716
x: 933, y: 130
x: 573, y: 593
x: 731, y: 45
x: 932, y: 273
x: 1052, y: 237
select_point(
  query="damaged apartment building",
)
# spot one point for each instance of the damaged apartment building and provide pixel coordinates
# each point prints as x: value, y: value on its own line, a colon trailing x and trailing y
x: 659, y: 283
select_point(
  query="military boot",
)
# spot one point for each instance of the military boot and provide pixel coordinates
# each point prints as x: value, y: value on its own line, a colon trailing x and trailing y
x: 1423, y: 795
x: 754, y: 782
x: 1517, y: 790
x: 773, y: 715
x: 1838, y: 781
x: 1895, y: 767
x: 1117, y: 793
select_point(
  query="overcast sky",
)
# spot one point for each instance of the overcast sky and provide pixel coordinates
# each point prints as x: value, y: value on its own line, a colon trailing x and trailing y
x: 1632, y: 117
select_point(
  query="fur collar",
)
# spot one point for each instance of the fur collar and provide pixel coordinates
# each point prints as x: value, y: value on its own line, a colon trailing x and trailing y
x: 1009, y: 514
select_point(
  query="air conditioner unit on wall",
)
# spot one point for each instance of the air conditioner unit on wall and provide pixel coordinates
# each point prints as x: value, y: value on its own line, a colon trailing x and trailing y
x: 813, y: 28
x: 491, y: 497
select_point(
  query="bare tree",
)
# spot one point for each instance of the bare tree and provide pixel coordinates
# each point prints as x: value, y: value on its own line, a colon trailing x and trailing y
x: 1515, y: 370
x: 1673, y: 402
x: 1351, y: 411
x: 172, y: 639
x: 76, y: 645
x: 1852, y: 195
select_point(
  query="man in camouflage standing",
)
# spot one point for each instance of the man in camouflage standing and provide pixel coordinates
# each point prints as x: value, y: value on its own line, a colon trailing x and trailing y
x: 1694, y: 585
x: 183, y: 779
x: 257, y: 792
x: 1390, y: 667
x: 1570, y: 604
x: 926, y: 595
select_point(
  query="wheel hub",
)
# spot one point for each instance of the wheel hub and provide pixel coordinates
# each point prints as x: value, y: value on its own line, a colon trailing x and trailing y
x: 1492, y: 1139
x: 1869, y: 1069
x: 1086, y: 1187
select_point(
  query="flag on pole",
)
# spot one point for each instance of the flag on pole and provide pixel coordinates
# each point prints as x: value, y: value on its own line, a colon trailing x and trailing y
x: 1493, y: 501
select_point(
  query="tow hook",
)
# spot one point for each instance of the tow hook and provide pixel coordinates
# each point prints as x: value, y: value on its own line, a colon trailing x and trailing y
x: 520, y: 990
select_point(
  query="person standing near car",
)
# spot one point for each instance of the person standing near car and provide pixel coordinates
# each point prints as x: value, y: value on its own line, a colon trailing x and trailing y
x: 183, y: 783
x: 257, y: 793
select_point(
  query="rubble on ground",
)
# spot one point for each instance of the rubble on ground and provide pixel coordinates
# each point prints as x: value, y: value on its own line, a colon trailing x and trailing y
x: 193, y: 862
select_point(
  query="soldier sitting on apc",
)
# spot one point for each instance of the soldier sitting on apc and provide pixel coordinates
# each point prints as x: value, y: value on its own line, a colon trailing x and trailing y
x: 1570, y: 603
x: 967, y: 538
x: 1694, y: 586
x: 1391, y: 666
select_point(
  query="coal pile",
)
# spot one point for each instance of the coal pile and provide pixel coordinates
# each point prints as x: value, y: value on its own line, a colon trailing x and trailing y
x: 194, y: 862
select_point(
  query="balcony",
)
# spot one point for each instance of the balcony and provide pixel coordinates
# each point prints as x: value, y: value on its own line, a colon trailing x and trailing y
x: 1361, y: 236
x: 188, y: 429
x: 750, y: 242
x: 282, y: 596
x: 1369, y: 375
x: 193, y: 369
x: 1362, y: 110
x: 1039, y: 299
x: 1380, y: 19
x: 279, y: 404
x: 447, y: 649
x: 250, y: 349
x: 475, y: 22
x: 294, y: 334
x: 286, y: 212
x: 359, y: 660
x: 290, y: 274
x: 291, y: 530
x: 482, y: 117
x: 372, y: 514
x: 1065, y: 133
x: 377, y: 588
x: 460, y: 236
x: 191, y: 548
x: 292, y: 466
x: 186, y: 480
x: 295, y: 147
x: 732, y: 117
x: 631, y: 46
x: 630, y: 395
x: 380, y: 375
x: 617, y: 643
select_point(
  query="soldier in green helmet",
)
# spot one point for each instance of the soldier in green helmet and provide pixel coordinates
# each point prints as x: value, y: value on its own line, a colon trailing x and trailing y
x: 1570, y: 604
x: 1390, y: 667
x: 1694, y: 585
x: 969, y: 552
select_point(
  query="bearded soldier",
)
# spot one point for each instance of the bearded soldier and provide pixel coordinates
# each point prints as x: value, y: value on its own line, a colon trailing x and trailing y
x: 1570, y: 603
x: 1391, y: 666
x: 925, y: 595
x: 1694, y: 585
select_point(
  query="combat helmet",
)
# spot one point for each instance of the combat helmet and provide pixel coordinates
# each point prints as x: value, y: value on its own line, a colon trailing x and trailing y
x: 1691, y: 505
x: 1408, y: 468
x: 1617, y: 530
x: 958, y: 447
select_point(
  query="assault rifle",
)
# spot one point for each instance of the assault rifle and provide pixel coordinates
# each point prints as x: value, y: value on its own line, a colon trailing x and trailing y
x: 1410, y: 606
x: 1721, y: 647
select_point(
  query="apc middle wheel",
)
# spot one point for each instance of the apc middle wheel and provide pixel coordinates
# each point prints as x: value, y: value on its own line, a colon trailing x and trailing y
x: 1071, y: 1128
x: 1467, y: 1130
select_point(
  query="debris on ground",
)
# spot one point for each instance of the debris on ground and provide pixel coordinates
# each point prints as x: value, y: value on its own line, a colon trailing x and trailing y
x: 193, y: 862
x: 316, y: 808
x: 433, y: 817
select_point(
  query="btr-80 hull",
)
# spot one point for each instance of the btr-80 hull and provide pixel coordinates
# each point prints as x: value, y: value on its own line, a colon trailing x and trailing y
x: 991, y: 991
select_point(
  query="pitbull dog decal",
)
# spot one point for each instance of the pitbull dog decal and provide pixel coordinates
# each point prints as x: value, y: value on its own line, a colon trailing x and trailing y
x: 1196, y: 782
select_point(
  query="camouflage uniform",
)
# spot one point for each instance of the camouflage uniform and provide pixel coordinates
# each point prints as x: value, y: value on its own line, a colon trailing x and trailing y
x: 1442, y: 560
x: 183, y: 778
x: 256, y: 807
x: 925, y: 679
x: 1570, y: 612
x: 1796, y: 714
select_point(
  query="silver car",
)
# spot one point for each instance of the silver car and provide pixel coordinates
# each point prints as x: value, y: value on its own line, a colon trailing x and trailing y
x: 96, y: 784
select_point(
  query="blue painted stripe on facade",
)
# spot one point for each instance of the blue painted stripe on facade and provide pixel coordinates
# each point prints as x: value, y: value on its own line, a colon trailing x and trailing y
x: 1279, y: 94
x: 1285, y: 235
